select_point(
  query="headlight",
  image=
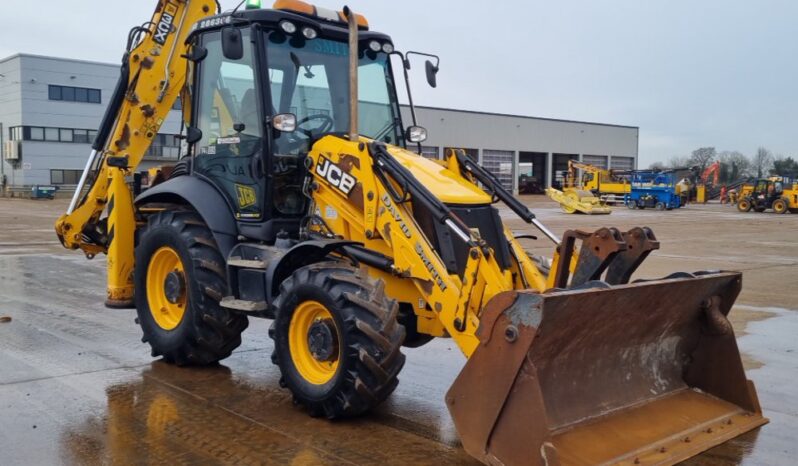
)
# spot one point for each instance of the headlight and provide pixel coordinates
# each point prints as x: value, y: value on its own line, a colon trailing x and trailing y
x: 309, y: 33
x: 375, y: 46
x: 387, y: 48
x: 288, y: 27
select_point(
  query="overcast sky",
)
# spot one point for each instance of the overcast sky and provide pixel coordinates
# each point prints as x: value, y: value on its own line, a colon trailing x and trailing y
x: 688, y: 73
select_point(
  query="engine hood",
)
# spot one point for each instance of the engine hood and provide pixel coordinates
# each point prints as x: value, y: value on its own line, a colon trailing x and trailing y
x: 448, y: 186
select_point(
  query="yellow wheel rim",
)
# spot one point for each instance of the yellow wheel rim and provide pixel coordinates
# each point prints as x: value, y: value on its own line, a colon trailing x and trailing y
x: 313, y: 369
x: 166, y: 308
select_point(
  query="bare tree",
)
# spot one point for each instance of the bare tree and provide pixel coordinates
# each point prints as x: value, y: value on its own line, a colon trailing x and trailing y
x: 657, y: 166
x: 678, y: 161
x: 762, y: 161
x: 703, y: 157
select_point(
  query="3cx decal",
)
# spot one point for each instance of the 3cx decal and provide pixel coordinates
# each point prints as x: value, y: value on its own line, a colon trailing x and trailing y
x: 331, y: 172
x: 164, y: 26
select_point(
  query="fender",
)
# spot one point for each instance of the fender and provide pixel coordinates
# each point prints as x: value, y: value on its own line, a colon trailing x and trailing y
x: 304, y: 253
x: 205, y: 199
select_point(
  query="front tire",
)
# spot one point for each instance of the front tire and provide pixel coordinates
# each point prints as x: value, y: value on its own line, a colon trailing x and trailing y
x: 336, y: 340
x: 780, y: 206
x: 744, y: 205
x: 179, y: 280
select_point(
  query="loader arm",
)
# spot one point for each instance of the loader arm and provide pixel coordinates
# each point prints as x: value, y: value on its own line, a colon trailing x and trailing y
x: 153, y: 74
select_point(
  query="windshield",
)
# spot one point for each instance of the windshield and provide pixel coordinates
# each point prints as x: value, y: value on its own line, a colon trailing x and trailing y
x: 309, y: 78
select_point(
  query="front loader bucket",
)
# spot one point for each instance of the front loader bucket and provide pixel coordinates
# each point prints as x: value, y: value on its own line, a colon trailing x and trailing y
x: 645, y: 373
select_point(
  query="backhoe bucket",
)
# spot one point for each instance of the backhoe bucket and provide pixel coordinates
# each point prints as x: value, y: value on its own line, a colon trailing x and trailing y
x: 644, y: 373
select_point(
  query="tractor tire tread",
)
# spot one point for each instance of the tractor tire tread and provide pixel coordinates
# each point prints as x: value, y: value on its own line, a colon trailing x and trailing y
x: 372, y: 353
x: 213, y: 332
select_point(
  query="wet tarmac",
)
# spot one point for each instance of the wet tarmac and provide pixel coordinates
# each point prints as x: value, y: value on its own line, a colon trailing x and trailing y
x: 78, y: 387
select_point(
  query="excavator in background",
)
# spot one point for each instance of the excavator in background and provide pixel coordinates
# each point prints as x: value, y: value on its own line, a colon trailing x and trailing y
x: 300, y: 201
x: 576, y: 196
x: 701, y: 189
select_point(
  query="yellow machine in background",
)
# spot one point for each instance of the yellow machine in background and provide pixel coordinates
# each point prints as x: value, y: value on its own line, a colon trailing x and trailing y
x: 578, y: 200
x: 317, y: 214
x: 608, y: 185
x: 578, y: 193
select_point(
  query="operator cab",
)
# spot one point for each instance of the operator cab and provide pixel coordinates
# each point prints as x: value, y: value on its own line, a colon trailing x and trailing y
x: 267, y: 84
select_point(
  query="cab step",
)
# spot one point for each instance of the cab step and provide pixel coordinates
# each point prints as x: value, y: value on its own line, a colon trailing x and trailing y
x: 247, y: 263
x: 241, y: 305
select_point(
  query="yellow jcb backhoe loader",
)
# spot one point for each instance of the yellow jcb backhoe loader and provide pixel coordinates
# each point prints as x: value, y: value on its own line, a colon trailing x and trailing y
x: 299, y: 200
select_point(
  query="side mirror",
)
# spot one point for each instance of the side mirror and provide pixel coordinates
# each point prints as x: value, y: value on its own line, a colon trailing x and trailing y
x: 416, y: 134
x: 232, y: 43
x: 432, y: 72
x: 284, y: 122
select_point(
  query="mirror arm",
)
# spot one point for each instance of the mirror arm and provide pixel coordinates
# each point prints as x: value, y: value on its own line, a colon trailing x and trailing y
x: 405, y: 67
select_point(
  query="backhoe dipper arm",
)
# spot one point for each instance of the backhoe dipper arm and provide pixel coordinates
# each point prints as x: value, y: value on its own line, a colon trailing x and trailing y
x: 153, y: 74
x: 471, y: 169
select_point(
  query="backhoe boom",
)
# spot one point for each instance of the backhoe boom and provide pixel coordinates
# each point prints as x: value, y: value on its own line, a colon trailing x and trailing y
x: 153, y: 74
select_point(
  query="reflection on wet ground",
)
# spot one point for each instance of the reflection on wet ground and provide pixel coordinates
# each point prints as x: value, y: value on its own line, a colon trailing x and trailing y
x: 78, y: 387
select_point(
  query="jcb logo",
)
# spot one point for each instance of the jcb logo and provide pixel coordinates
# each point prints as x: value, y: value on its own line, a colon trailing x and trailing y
x: 246, y: 196
x: 335, y: 176
x: 164, y: 26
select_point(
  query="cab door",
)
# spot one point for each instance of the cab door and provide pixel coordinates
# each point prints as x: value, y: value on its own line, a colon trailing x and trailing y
x: 230, y: 152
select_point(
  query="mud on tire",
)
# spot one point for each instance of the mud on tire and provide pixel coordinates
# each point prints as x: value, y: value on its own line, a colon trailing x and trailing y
x: 207, y: 333
x: 369, y: 334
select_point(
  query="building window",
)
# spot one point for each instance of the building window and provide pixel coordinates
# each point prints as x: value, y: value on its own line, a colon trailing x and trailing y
x: 66, y: 135
x: 51, y: 134
x: 55, y: 92
x: 65, y: 176
x: 95, y: 96
x: 80, y: 136
x: 37, y: 133
x: 15, y: 133
x: 164, y: 146
x: 74, y: 94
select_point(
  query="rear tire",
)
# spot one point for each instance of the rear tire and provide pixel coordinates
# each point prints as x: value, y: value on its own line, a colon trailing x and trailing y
x: 780, y: 206
x: 194, y: 330
x: 744, y: 205
x: 660, y: 206
x: 632, y: 204
x: 355, y: 362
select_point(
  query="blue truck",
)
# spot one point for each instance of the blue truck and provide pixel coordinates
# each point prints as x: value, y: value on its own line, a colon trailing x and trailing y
x: 653, y: 189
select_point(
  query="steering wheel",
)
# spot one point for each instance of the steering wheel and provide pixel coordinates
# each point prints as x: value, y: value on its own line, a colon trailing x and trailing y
x: 325, y: 126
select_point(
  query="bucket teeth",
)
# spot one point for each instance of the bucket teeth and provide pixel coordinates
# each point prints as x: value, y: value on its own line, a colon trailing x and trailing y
x: 640, y: 241
x: 604, y: 250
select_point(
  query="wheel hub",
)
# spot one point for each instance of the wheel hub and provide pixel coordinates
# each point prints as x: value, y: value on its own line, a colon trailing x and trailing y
x: 323, y: 340
x: 174, y: 286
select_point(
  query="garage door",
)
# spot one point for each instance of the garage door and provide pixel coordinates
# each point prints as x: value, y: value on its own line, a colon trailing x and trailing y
x: 595, y: 160
x: 500, y: 163
x: 623, y: 163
